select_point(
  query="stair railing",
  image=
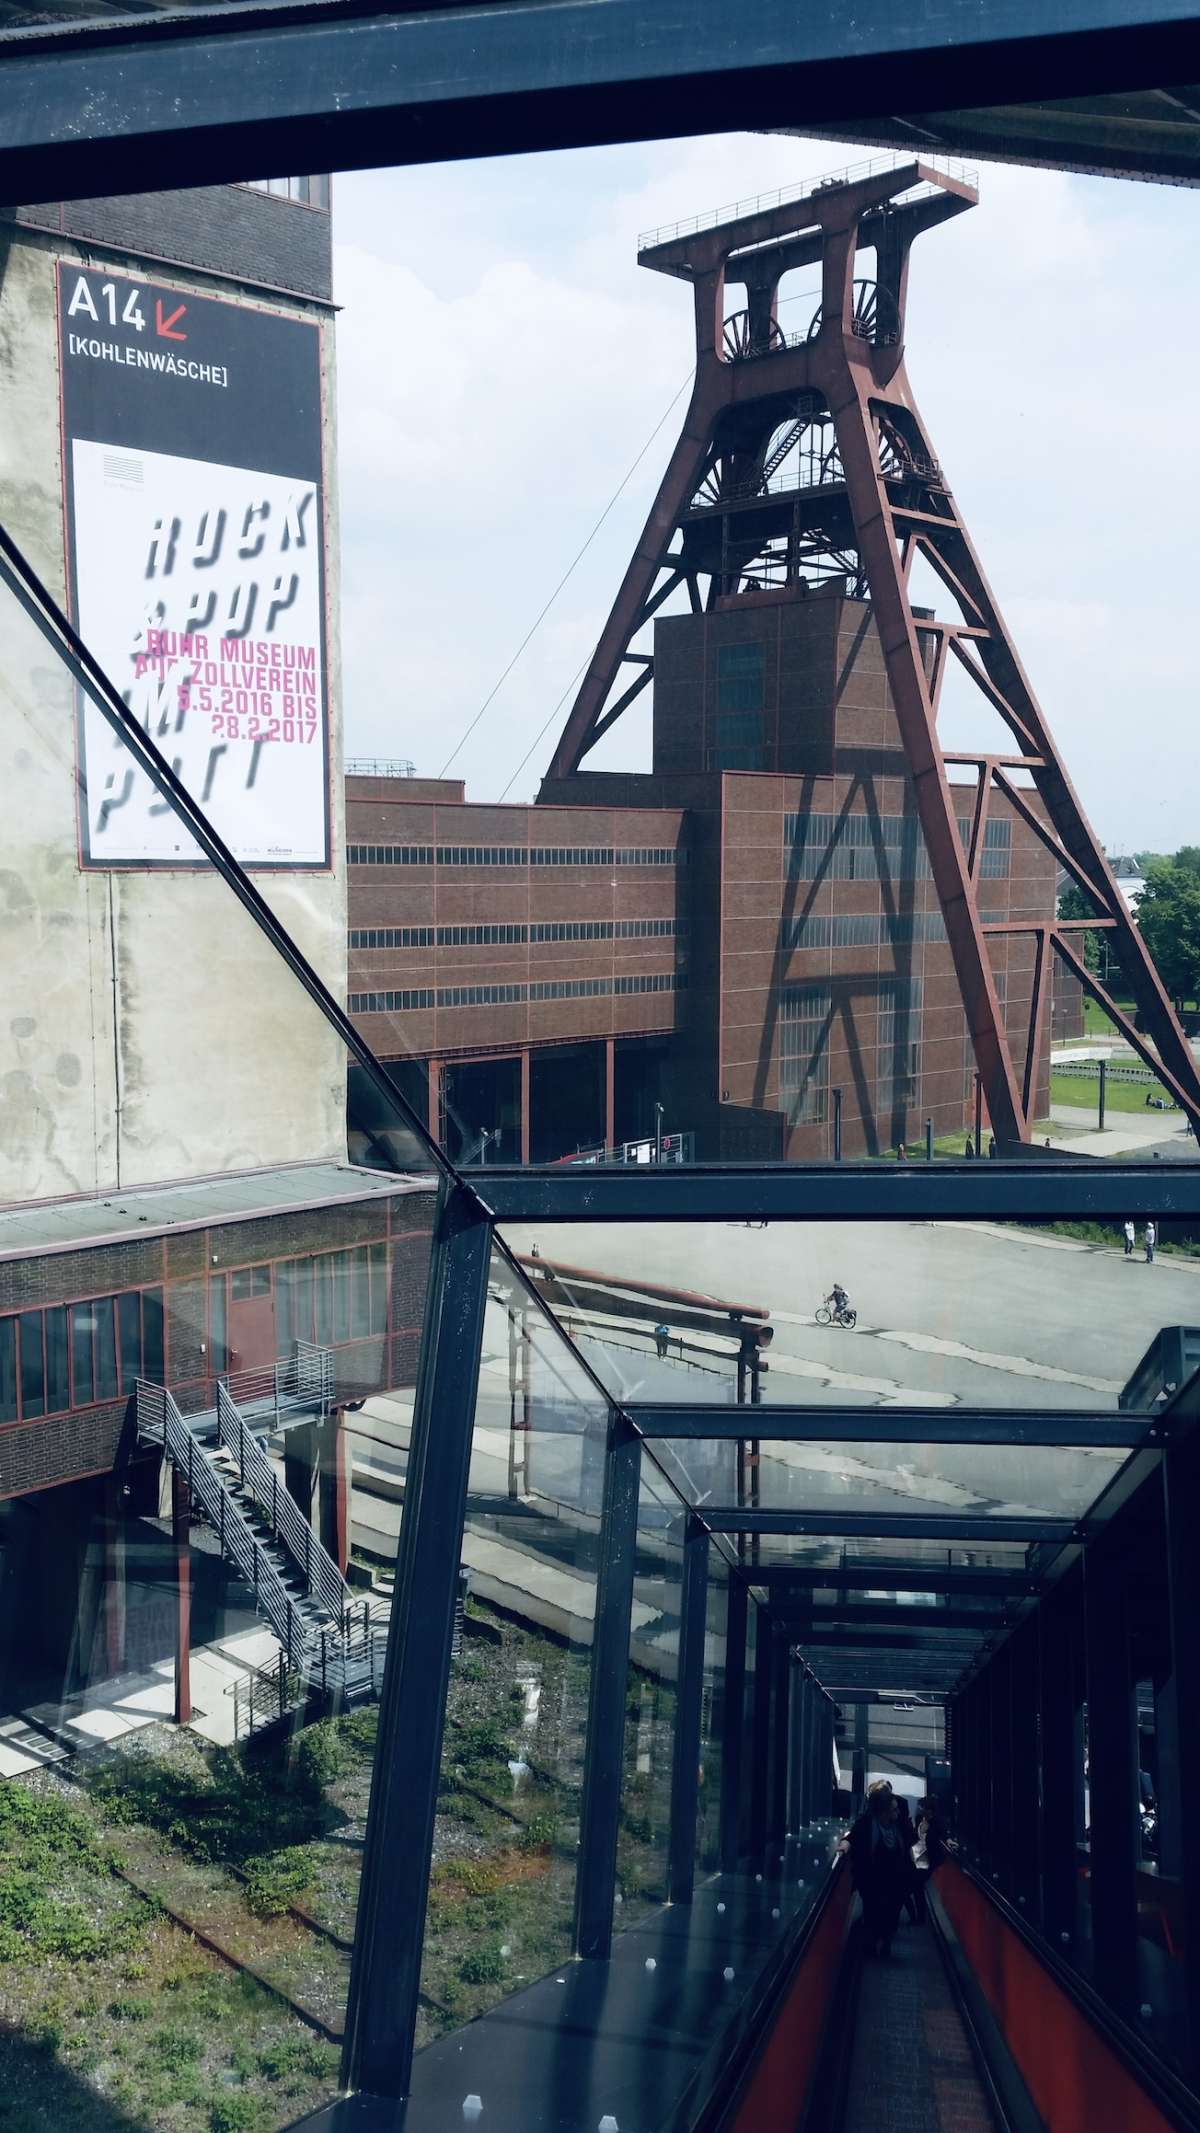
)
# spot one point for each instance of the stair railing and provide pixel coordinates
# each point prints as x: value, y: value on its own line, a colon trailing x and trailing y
x: 159, y: 1419
x: 260, y: 1477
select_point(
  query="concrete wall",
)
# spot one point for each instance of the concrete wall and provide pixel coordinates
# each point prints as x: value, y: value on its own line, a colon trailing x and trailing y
x: 148, y: 1030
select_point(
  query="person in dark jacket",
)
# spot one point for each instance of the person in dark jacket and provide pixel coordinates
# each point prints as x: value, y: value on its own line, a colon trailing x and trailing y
x: 881, y: 1868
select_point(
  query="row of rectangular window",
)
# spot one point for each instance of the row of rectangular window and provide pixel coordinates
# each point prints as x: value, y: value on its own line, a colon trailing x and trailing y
x: 865, y: 929
x: 848, y: 847
x: 514, y: 855
x: 504, y: 936
x: 391, y: 1003
x: 71, y: 1355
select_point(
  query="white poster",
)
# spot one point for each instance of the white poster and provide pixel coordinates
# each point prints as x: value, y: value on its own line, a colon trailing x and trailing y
x: 192, y: 444
x: 198, y: 588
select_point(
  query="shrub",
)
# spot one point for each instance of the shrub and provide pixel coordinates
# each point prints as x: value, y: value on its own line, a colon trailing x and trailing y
x: 482, y: 1966
x: 176, y: 2050
x: 277, y: 1880
x: 235, y: 2114
x: 540, y: 1833
x: 320, y: 1755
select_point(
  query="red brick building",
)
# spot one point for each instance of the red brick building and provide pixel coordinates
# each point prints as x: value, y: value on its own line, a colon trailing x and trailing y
x: 738, y: 934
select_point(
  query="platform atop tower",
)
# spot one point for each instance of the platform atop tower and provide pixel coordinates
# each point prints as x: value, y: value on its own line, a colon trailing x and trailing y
x: 693, y: 244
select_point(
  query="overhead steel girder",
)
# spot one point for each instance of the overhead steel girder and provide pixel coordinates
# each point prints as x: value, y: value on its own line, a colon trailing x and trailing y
x: 890, y: 1577
x: 891, y: 1425
x: 885, y: 1525
x: 1022, y: 1190
x: 871, y: 1615
x: 214, y: 93
x: 950, y: 1656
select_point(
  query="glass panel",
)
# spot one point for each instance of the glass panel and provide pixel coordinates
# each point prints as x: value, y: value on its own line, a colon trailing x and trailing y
x: 152, y: 1335
x: 83, y: 1374
x: 203, y: 1130
x: 106, y: 1348
x: 129, y: 1335
x: 1035, y: 1314
x: 505, y: 1844
x: 57, y: 1391
x: 650, y: 1702
x: 33, y: 1373
x: 712, y: 1711
x: 360, y: 1293
x: 8, y: 1369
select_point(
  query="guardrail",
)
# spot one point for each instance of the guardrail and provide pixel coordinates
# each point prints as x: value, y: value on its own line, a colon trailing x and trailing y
x: 159, y: 1418
x: 257, y: 1473
x: 263, y: 1695
x: 786, y: 195
x: 303, y: 1380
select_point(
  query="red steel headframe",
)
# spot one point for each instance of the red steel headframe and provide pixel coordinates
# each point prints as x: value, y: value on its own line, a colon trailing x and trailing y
x: 878, y: 500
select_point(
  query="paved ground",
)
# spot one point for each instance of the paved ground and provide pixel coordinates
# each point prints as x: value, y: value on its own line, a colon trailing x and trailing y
x: 947, y: 1312
x: 911, y: 2066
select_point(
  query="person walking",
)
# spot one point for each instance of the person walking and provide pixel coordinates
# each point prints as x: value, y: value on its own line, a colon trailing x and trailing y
x: 880, y: 1868
x: 1150, y: 1239
x: 662, y: 1334
x: 1130, y: 1239
x: 901, y: 1153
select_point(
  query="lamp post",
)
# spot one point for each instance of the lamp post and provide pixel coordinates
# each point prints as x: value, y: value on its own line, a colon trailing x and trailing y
x: 658, y: 1119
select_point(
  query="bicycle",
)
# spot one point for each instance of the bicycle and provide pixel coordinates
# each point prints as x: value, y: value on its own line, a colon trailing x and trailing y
x: 845, y: 1317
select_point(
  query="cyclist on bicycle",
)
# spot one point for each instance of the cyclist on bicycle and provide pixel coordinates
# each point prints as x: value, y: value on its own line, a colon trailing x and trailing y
x: 837, y: 1300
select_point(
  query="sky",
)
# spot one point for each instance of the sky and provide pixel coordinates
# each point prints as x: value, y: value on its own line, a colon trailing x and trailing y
x: 504, y: 365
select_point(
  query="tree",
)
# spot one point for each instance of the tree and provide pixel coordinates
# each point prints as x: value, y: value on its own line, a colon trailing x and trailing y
x: 1168, y: 917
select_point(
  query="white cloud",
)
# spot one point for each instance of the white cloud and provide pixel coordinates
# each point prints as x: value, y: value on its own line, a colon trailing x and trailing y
x: 502, y: 359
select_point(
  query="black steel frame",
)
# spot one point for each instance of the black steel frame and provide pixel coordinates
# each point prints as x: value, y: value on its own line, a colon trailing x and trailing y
x: 261, y: 94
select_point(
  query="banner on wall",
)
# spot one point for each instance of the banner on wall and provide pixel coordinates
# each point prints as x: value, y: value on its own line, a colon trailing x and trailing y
x: 195, y: 554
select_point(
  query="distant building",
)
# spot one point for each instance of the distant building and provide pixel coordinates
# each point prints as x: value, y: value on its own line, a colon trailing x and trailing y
x: 738, y: 934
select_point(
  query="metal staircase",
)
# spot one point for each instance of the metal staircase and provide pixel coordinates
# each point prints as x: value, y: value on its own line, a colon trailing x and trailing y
x: 327, y: 1639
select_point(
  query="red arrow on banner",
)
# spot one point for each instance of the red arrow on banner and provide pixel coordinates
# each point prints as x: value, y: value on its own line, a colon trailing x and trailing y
x: 163, y: 325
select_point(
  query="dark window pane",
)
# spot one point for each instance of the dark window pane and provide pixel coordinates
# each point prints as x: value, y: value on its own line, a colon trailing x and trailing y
x: 152, y: 1335
x: 360, y: 1293
x: 302, y: 1305
x: 379, y: 1288
x: 106, y: 1349
x: 8, y: 1369
x: 219, y: 1322
x: 83, y: 1375
x: 260, y: 1281
x: 129, y: 1329
x: 58, y: 1398
x: 285, y: 1331
x: 341, y: 1296
x: 33, y: 1375
x: 323, y: 1284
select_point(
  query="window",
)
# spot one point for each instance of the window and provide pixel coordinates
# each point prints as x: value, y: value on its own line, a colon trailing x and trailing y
x: 652, y: 981
x: 389, y: 1003
x: 33, y: 1371
x: 391, y: 936
x: 71, y: 1355
x: 308, y: 192
x: 865, y: 929
x: 805, y: 1016
x: 250, y: 1281
x: 8, y: 1370
x: 740, y: 677
x: 513, y: 855
x: 339, y: 1296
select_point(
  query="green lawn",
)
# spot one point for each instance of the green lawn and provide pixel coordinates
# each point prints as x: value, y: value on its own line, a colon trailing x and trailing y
x: 1082, y: 1091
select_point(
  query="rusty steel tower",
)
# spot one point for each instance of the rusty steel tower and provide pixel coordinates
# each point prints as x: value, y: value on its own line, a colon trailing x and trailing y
x: 805, y: 454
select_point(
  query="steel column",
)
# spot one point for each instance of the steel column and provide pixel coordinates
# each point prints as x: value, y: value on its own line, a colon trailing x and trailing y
x: 733, y: 1761
x: 1000, y: 1671
x: 595, y: 1884
x: 760, y: 1771
x: 1112, y: 1775
x: 386, y: 1967
x: 777, y: 1798
x: 1023, y: 1747
x: 797, y: 1812
x: 1181, y: 1470
x: 689, y: 1694
x: 181, y: 1520
x: 1058, y: 1721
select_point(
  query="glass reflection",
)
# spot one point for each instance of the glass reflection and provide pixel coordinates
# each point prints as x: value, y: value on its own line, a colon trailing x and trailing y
x: 978, y: 1314
x: 502, y: 1885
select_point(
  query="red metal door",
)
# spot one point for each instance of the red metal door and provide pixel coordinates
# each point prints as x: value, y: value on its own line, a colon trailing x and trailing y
x: 251, y: 1319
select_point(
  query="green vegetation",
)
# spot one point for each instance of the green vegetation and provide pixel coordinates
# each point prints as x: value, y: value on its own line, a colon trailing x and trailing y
x: 108, y: 2006
x: 1082, y: 1091
x: 1169, y: 920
